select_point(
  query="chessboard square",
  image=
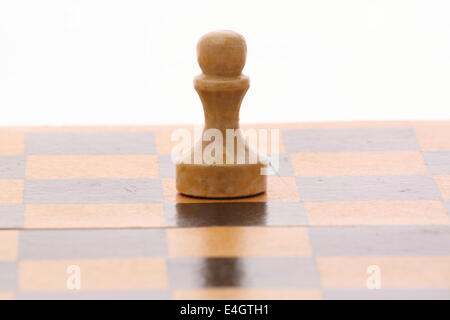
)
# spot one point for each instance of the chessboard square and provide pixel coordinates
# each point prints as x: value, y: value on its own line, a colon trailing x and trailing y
x: 248, y: 272
x: 235, y: 214
x: 11, y: 143
x: 171, y: 194
x: 11, y: 191
x: 362, y: 188
x: 96, y: 274
x: 246, y: 294
x: 395, y: 272
x: 350, y: 139
x: 12, y: 167
x: 166, y: 166
x: 434, y: 137
x: 92, y: 191
x: 8, y: 244
x: 157, y: 294
x: 168, y: 137
x: 438, y: 161
x: 386, y: 294
x: 267, y: 139
x: 80, y: 244
x: 358, y: 163
x: 443, y: 181
x: 383, y: 241
x: 403, y: 212
x: 66, y: 216
x: 8, y: 276
x: 66, y: 143
x: 91, y: 166
x: 7, y: 296
x: 285, y: 168
x: 224, y: 242
x: 11, y: 216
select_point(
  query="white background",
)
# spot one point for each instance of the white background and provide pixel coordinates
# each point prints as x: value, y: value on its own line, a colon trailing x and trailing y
x: 132, y: 62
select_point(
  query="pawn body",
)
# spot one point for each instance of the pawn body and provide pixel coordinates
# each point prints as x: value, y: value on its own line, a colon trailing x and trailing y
x: 232, y: 169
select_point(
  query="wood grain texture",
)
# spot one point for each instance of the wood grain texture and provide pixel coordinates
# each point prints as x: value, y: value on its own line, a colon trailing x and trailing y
x: 347, y: 196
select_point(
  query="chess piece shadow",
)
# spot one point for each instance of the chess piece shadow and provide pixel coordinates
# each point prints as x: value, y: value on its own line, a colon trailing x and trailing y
x: 220, y: 214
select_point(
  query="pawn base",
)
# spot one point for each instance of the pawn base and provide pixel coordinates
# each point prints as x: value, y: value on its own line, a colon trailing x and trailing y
x: 220, y: 181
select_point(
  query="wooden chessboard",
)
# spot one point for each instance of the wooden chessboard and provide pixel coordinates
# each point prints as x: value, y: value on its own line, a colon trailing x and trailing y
x: 350, y: 197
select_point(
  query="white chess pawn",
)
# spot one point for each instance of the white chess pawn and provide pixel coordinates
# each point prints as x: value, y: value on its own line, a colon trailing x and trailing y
x: 221, y: 165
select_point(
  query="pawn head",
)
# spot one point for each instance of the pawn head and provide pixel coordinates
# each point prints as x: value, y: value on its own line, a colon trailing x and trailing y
x: 222, y: 53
